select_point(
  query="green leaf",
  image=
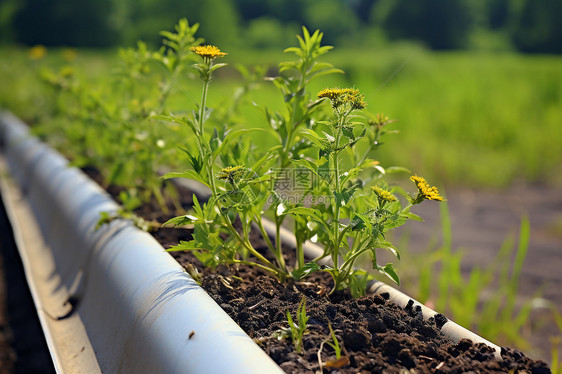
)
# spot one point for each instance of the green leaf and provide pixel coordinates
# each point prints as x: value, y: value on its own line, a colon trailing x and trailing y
x: 189, y: 174
x: 357, y: 223
x: 264, y: 159
x: 182, y: 220
x: 183, y: 246
x: 314, y: 214
x: 230, y: 136
x: 174, y: 119
x: 313, y: 137
x: 390, y: 272
x: 303, y: 211
x: 414, y: 216
x: 358, y: 281
x: 307, y: 164
x: 348, y: 131
x: 389, y: 246
x: 397, y: 169
x: 195, y: 161
x: 308, y: 268
x: 216, y: 66
x: 215, y: 141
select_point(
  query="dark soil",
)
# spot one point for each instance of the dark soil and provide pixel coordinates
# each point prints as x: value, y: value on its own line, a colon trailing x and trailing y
x: 376, y: 335
x: 7, y: 353
x: 22, y: 344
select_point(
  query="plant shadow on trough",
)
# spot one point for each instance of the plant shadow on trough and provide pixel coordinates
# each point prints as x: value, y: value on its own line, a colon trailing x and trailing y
x: 346, y: 206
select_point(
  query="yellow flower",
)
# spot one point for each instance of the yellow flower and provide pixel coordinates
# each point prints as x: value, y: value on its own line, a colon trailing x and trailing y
x: 37, y: 52
x: 383, y: 195
x: 425, y: 191
x: 343, y: 96
x: 208, y: 51
x: 69, y: 54
x: 330, y: 93
x: 231, y: 173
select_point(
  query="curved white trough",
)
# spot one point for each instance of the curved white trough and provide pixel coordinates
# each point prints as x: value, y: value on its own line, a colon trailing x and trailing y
x: 109, y: 300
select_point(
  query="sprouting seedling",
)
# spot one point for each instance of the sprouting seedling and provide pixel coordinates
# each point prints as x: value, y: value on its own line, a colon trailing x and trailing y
x: 298, y: 329
x: 335, y: 344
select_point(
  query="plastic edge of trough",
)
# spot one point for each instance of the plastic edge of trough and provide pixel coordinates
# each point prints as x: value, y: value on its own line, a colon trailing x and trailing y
x: 142, y: 312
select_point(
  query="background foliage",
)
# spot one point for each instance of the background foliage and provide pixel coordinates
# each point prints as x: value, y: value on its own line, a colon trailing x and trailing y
x: 522, y: 25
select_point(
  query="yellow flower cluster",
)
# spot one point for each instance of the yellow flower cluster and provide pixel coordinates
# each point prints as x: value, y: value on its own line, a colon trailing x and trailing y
x: 37, y: 52
x: 383, y: 194
x: 208, y: 51
x: 231, y: 173
x: 341, y: 96
x: 426, y: 191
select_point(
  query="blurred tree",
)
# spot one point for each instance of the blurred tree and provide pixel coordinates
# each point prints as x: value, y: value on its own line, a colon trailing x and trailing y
x: 148, y: 17
x: 536, y: 27
x: 7, y: 10
x: 530, y: 25
x: 362, y: 8
x: 441, y: 24
x: 498, y: 13
x: 266, y: 32
x: 66, y: 22
x: 220, y: 23
x: 250, y: 9
x: 335, y: 18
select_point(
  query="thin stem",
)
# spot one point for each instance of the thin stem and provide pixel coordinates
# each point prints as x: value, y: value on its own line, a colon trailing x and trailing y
x: 299, y: 250
x: 260, y: 266
x: 248, y: 246
x: 278, y: 251
x: 205, y: 154
x: 278, y: 254
x: 349, y: 262
x: 160, y: 198
x: 336, y: 207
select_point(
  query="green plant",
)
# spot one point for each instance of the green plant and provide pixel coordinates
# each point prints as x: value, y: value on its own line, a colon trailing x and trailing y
x: 344, y: 218
x: 368, y: 216
x: 108, y: 123
x: 230, y: 185
x: 239, y: 192
x: 335, y: 344
x: 299, y: 327
x: 293, y: 80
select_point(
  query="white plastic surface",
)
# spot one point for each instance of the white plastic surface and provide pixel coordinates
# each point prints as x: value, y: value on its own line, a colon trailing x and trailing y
x: 141, y: 311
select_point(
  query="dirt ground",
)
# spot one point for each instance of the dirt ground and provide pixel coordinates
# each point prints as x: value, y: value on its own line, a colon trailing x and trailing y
x: 481, y: 220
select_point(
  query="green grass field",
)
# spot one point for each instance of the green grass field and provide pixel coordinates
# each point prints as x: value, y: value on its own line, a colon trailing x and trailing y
x: 463, y: 118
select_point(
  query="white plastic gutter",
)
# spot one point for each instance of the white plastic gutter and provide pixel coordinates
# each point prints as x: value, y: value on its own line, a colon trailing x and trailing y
x: 109, y: 300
